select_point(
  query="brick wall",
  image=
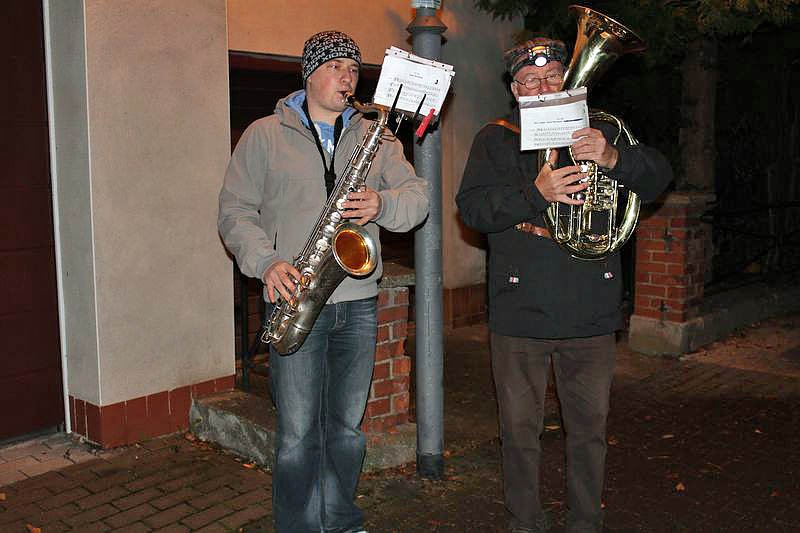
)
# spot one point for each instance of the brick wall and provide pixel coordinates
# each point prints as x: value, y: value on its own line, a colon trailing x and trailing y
x: 464, y: 306
x: 141, y: 418
x: 167, y: 412
x: 390, y: 396
x: 671, y: 261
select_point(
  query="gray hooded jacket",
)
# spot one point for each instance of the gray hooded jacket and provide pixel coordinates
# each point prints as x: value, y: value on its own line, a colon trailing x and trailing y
x: 274, y: 191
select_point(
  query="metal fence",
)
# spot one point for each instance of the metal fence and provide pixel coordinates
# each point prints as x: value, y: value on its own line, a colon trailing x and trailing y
x: 754, y: 244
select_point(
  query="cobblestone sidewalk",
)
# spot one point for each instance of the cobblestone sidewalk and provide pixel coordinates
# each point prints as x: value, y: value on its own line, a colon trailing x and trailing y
x: 169, y: 484
x: 707, y: 443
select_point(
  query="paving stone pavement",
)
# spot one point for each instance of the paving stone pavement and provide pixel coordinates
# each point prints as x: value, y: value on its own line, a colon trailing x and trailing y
x: 22, y: 460
x: 710, y: 442
x: 167, y: 484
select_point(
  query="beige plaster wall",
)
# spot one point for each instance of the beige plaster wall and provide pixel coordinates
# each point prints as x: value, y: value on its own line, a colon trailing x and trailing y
x: 156, y: 122
x: 474, y: 45
x: 281, y: 26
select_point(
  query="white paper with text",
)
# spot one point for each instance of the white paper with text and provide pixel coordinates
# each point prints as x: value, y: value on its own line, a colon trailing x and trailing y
x: 549, y: 120
x: 419, y: 77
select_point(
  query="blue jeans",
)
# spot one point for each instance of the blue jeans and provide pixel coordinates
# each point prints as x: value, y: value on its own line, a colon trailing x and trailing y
x: 320, y: 393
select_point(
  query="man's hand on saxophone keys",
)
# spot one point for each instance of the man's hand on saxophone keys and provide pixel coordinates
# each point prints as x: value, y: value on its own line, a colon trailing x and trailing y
x: 363, y: 205
x: 283, y: 277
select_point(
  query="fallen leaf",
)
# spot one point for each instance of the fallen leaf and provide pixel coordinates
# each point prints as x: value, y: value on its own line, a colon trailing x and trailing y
x: 680, y: 487
x: 552, y: 427
x: 668, y: 436
x: 248, y: 465
x: 774, y: 494
x: 33, y: 529
x: 758, y: 431
x: 2, y: 496
x: 612, y: 441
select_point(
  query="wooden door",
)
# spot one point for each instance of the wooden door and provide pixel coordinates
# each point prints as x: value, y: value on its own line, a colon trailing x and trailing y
x: 30, y: 361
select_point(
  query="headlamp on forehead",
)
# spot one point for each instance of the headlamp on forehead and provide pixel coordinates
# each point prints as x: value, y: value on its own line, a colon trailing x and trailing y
x: 537, y: 52
x: 541, y: 55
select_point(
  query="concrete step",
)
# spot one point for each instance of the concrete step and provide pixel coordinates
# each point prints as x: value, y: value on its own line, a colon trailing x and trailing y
x: 245, y: 424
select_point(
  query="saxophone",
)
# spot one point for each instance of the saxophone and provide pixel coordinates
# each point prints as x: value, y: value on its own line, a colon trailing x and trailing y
x: 335, y: 247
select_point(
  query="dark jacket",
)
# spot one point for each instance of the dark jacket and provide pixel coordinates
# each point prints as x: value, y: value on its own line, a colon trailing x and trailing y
x: 536, y: 289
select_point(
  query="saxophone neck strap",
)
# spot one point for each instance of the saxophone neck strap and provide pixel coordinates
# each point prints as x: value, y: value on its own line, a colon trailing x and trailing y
x: 330, y: 172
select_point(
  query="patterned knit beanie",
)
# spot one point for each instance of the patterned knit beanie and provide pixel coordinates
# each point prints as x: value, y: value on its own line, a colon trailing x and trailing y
x: 537, y: 52
x: 325, y: 46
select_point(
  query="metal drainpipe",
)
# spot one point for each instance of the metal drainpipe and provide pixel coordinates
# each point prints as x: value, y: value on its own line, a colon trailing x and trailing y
x: 244, y: 327
x: 426, y: 30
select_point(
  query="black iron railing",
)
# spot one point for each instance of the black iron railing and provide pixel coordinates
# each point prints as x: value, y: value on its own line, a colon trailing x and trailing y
x: 248, y: 350
x: 754, y: 244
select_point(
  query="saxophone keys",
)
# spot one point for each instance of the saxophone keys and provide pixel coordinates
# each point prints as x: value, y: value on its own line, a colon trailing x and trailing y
x: 322, y: 244
x: 336, y: 217
x: 329, y: 229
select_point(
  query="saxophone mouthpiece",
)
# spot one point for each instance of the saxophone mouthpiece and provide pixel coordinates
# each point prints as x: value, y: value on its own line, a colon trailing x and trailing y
x: 350, y: 99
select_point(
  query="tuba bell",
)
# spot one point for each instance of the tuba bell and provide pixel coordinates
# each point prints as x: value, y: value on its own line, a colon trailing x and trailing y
x: 596, y: 228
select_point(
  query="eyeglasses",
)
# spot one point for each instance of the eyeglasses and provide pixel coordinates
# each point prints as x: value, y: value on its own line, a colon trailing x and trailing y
x: 532, y: 83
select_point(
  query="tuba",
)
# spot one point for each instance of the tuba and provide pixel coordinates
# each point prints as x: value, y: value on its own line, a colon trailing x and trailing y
x: 596, y: 228
x: 334, y: 249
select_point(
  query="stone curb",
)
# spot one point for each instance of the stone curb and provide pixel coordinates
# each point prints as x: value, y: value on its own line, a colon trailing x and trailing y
x: 245, y: 424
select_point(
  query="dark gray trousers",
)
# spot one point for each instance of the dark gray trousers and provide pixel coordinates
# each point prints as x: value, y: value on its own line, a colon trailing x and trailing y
x: 584, y: 368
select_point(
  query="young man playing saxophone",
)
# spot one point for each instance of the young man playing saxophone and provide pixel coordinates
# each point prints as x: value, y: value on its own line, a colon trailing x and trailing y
x: 543, y: 303
x: 274, y: 190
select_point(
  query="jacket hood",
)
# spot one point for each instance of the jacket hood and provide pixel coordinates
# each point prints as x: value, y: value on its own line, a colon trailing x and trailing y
x: 290, y: 109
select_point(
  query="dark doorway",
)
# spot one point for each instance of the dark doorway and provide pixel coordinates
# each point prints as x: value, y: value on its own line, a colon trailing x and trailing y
x: 31, y: 396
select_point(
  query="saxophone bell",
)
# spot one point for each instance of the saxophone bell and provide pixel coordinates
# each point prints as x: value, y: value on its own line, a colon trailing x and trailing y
x: 355, y: 250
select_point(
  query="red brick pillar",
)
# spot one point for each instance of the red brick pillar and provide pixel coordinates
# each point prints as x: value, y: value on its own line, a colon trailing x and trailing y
x: 672, y: 246
x: 388, y: 404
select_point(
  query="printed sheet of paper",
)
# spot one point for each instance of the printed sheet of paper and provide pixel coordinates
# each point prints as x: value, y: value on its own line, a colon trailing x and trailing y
x: 419, y: 77
x: 548, y: 120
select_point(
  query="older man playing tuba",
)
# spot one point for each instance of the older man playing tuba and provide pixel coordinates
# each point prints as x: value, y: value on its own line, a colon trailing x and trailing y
x: 544, y: 304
